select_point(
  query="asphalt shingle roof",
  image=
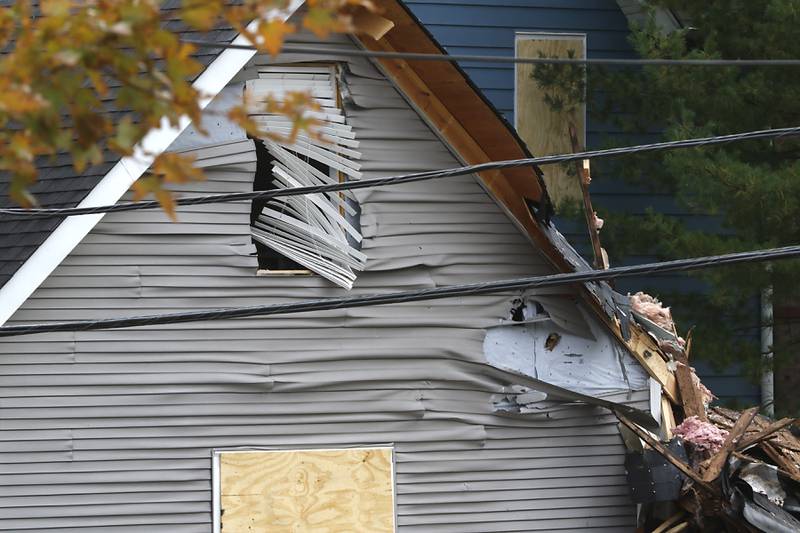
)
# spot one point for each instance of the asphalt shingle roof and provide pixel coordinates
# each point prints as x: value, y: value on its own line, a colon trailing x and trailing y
x: 59, y: 185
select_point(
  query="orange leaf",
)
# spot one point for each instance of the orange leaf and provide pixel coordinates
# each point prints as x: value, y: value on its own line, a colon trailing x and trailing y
x: 176, y: 168
x: 271, y: 35
x: 167, y: 203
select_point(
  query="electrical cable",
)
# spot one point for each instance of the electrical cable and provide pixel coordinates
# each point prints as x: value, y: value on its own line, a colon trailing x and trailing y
x: 409, y: 178
x: 327, y: 304
x: 411, y: 56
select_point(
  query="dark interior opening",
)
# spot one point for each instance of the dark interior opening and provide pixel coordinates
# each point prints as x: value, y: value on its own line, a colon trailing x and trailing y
x: 268, y: 259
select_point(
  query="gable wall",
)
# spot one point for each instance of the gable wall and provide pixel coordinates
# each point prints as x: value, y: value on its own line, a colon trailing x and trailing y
x: 113, y: 430
x: 488, y: 28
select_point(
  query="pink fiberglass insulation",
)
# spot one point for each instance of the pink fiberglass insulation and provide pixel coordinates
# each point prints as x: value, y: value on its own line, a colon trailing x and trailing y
x: 598, y: 222
x: 704, y: 436
x: 653, y: 310
x: 706, y: 396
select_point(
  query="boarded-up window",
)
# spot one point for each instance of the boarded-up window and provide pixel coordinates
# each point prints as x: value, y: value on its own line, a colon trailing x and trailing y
x: 544, y: 129
x: 297, y: 491
x: 316, y: 231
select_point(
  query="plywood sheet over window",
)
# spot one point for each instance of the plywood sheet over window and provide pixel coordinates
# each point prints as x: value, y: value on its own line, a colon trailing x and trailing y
x: 545, y: 130
x: 314, y: 491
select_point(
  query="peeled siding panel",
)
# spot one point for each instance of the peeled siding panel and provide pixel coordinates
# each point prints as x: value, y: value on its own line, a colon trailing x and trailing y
x: 113, y: 430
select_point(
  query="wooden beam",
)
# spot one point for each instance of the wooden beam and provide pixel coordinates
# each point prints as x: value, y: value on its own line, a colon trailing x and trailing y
x: 647, y: 352
x: 667, y: 454
x: 782, y: 462
x: 691, y: 399
x: 716, y: 463
x: 680, y: 527
x: 371, y: 24
x: 667, y: 416
x: 669, y: 522
x: 765, y: 433
x: 584, y: 177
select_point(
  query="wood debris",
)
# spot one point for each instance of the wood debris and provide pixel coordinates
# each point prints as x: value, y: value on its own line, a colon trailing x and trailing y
x: 740, y: 471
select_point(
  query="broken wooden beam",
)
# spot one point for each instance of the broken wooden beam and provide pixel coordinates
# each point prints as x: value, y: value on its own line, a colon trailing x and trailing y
x: 667, y: 417
x: 680, y: 527
x: 716, y: 463
x: 691, y: 396
x: 669, y: 522
x: 645, y: 349
x: 584, y: 178
x: 765, y: 433
x: 781, y: 461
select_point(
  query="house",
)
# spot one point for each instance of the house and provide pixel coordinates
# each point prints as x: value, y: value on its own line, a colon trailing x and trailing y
x: 598, y: 28
x: 476, y: 413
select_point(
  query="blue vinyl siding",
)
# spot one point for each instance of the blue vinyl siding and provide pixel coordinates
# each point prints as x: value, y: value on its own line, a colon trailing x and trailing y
x: 489, y: 27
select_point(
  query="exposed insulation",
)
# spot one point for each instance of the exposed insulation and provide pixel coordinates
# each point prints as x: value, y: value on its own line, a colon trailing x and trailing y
x: 652, y: 309
x: 598, y: 222
x: 703, y: 436
x: 706, y: 396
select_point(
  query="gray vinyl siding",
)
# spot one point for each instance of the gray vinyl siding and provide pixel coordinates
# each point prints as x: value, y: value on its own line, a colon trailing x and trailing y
x: 113, y: 430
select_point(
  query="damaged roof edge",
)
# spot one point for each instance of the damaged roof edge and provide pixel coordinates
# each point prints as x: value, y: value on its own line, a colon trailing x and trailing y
x: 440, y: 92
x: 486, y: 101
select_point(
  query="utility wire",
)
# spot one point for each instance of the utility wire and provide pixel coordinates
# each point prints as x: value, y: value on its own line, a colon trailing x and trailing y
x: 326, y: 304
x: 452, y: 58
x: 409, y: 178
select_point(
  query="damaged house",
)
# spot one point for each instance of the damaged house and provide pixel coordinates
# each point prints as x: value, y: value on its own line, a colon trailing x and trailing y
x: 473, y: 413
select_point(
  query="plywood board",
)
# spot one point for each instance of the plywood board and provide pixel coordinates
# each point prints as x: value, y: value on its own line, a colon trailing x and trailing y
x: 313, y: 491
x: 544, y: 130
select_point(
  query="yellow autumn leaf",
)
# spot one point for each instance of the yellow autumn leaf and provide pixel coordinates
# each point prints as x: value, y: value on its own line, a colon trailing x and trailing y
x: 270, y: 35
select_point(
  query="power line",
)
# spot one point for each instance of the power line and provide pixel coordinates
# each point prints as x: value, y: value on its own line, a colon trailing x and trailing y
x: 409, y: 178
x: 327, y: 304
x: 452, y: 58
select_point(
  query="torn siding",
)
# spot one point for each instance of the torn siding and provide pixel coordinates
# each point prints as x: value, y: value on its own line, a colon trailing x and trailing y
x: 574, y: 354
x: 113, y: 430
x: 315, y: 230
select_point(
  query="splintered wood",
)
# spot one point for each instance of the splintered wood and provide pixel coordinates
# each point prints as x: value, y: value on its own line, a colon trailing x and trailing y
x: 310, y: 491
x: 734, y: 436
x: 774, y: 439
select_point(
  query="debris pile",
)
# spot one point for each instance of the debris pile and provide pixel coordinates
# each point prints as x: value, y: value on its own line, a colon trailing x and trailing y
x: 710, y: 468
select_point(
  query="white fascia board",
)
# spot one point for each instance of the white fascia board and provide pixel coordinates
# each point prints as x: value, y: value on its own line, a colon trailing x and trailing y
x: 119, y: 179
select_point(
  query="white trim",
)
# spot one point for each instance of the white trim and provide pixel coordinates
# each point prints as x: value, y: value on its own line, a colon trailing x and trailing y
x: 216, y: 490
x: 118, y: 180
x: 655, y: 402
